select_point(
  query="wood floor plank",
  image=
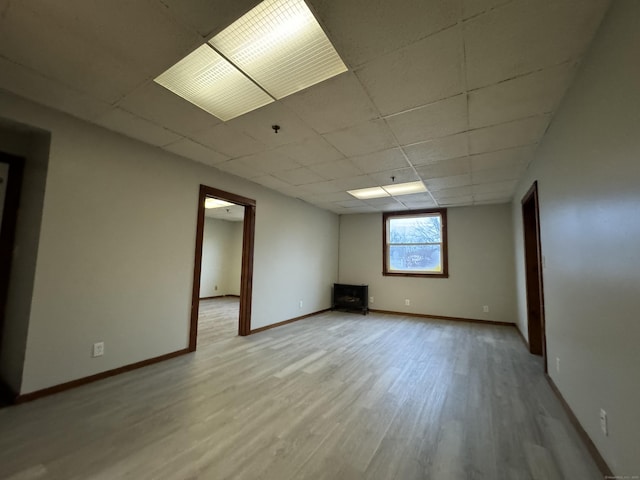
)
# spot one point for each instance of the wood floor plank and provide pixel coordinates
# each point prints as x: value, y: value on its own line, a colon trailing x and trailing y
x: 334, y: 396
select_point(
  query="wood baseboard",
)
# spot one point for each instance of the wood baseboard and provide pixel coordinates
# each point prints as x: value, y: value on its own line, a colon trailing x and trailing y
x: 442, y: 317
x: 593, y: 451
x: 218, y: 296
x: 524, y: 340
x: 285, y: 322
x: 28, y: 397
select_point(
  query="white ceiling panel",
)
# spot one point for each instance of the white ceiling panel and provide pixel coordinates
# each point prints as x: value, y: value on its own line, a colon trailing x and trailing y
x: 311, y: 151
x: 190, y: 149
x: 159, y: 105
x: 503, y: 186
x: 400, y: 175
x: 128, y: 124
x: 338, y: 169
x: 437, y: 75
x: 445, y: 168
x: 364, y: 138
x: 527, y: 35
x: 334, y: 104
x: 453, y: 146
x: 512, y: 157
x: 521, y: 97
x: 237, y: 167
x: 438, y: 119
x: 420, y: 205
x: 493, y: 197
x: 269, y: 162
x: 272, y: 182
x: 299, y: 176
x: 27, y: 83
x: 454, y: 192
x: 441, y: 183
x: 362, y: 31
x: 497, y: 175
x: 378, y: 202
x: 506, y: 135
x: 228, y: 140
x: 381, y: 161
x: 232, y: 213
x: 455, y: 201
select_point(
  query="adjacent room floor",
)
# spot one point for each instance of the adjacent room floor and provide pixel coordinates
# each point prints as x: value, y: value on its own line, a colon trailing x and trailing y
x: 335, y: 396
x: 217, y: 320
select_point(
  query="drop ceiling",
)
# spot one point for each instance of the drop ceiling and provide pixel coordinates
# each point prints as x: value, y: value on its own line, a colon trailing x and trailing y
x: 456, y: 93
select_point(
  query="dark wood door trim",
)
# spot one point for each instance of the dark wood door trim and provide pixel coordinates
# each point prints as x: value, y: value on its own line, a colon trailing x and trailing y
x: 8, y: 228
x: 533, y: 273
x: 246, y: 278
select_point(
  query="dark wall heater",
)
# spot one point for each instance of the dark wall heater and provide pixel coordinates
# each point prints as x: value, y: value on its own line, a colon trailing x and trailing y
x: 351, y: 297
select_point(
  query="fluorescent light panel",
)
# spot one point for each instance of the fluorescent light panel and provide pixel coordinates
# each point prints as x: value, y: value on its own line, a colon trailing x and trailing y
x: 393, y: 190
x: 207, y: 80
x: 281, y: 46
x: 215, y: 203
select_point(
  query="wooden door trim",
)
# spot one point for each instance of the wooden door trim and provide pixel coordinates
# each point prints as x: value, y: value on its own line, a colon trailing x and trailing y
x: 246, y: 276
x: 8, y: 227
x: 532, y: 196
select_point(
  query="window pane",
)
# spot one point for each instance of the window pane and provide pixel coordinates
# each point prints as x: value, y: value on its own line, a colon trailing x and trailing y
x: 425, y: 229
x: 418, y: 258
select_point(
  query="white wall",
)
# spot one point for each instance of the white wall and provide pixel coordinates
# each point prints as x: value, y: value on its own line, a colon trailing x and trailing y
x: 480, y: 266
x: 116, y: 253
x: 588, y: 172
x: 221, y: 258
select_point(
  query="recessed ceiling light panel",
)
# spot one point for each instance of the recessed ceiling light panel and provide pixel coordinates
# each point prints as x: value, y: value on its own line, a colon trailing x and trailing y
x: 405, y: 188
x: 281, y: 46
x: 207, y: 80
x: 215, y: 203
x: 367, y: 193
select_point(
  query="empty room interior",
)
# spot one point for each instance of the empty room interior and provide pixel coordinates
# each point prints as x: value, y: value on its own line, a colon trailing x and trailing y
x: 300, y: 239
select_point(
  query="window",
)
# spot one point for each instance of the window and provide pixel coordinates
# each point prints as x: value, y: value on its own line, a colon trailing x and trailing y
x: 415, y: 243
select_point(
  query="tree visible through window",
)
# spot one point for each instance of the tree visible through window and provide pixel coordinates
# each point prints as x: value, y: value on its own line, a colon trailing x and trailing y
x: 415, y: 243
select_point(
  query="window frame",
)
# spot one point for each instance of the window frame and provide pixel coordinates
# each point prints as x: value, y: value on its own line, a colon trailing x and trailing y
x: 443, y: 244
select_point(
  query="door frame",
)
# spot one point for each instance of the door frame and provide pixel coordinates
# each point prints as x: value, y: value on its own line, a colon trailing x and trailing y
x: 246, y: 275
x: 533, y: 273
x: 8, y: 228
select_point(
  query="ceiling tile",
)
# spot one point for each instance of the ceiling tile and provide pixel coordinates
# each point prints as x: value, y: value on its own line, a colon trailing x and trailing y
x: 133, y: 42
x: 299, y: 176
x: 421, y: 73
x: 352, y: 203
x: 527, y: 35
x: 422, y: 198
x: 507, y: 135
x: 327, y: 187
x: 258, y: 124
x: 521, y: 97
x: 227, y: 140
x: 29, y: 84
x: 337, y: 103
x: 456, y: 201
x: 272, y: 182
x: 495, y: 175
x: 328, y: 197
x: 447, y: 182
x: 471, y: 8
x: 269, y: 162
x: 445, y: 168
x: 378, y: 202
x: 364, y: 138
x: 338, y: 169
x: 135, y: 127
x: 208, y: 17
x: 400, y: 175
x: 454, y: 192
x: 503, y: 186
x: 420, y: 205
x: 518, y: 157
x: 361, y: 31
x: 439, y: 119
x: 453, y: 146
x: 352, y: 183
x: 190, y: 149
x: 159, y: 105
x: 381, y: 161
x: 311, y: 151
x: 239, y: 168
x: 496, y: 197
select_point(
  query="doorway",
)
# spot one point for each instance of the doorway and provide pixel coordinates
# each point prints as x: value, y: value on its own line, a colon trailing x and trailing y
x: 533, y: 273
x: 246, y: 273
x: 11, y: 168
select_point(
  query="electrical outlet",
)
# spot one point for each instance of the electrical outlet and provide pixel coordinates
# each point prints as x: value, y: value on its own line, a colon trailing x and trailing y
x: 558, y: 364
x: 370, y: 299
x: 603, y: 422
x: 485, y: 308
x: 98, y: 349
x: 300, y: 304
x: 407, y: 302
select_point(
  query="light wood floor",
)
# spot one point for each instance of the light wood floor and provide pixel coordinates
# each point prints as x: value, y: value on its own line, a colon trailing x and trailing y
x: 335, y: 396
